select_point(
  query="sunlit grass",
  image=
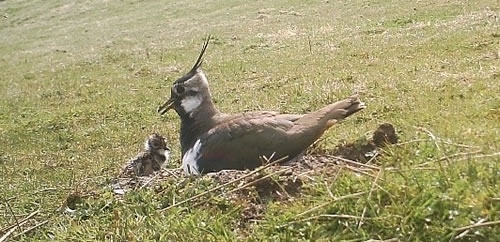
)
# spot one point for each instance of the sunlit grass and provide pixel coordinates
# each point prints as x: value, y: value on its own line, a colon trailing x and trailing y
x: 80, y: 83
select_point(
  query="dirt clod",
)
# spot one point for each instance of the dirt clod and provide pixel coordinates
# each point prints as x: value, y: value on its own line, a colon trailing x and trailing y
x: 363, y: 150
x: 385, y: 135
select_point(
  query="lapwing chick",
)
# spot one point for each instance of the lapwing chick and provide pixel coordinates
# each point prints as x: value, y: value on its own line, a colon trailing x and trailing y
x: 154, y: 156
x: 213, y: 141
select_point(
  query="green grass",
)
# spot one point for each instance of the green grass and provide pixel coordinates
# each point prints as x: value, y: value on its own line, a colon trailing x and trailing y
x: 80, y: 83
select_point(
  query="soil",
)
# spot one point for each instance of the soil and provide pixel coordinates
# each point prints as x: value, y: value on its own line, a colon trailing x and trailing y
x: 364, y: 150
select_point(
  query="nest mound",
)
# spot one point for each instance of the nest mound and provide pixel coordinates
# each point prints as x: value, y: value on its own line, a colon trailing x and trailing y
x: 252, y: 189
x: 275, y: 181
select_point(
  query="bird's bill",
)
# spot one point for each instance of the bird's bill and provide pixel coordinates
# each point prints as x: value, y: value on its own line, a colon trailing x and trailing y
x: 169, y: 104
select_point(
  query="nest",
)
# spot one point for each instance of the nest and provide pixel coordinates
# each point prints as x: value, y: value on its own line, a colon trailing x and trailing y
x: 272, y: 180
x: 252, y: 189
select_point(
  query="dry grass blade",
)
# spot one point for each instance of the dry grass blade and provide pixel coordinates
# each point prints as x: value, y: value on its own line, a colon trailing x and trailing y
x: 335, y: 178
x: 324, y: 216
x: 459, y: 145
x: 6, y: 235
x: 338, y: 216
x: 34, y: 193
x: 249, y: 183
x: 305, y: 175
x: 480, y: 156
x: 374, y: 184
x: 169, y: 171
x: 435, y: 141
x: 260, y: 179
x: 31, y: 228
x: 463, y: 234
x: 384, y: 240
x: 411, y: 142
x: 477, y: 225
x: 432, y: 136
x: 357, y: 170
x: 18, y: 223
x: 335, y: 199
x: 356, y: 163
x: 12, y: 212
x: 461, y: 154
x: 150, y: 180
x: 225, y: 184
x: 417, y: 168
x: 320, y: 206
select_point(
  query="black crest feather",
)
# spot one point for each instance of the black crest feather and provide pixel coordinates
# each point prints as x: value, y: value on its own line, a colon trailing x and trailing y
x: 199, y: 61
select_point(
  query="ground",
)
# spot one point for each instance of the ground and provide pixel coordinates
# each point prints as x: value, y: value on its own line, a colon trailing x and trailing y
x: 80, y: 83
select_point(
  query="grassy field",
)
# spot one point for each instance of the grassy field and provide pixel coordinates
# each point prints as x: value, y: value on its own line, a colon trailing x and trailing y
x: 80, y: 82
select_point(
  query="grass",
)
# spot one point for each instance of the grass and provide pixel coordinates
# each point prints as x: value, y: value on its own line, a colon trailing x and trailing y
x: 80, y: 82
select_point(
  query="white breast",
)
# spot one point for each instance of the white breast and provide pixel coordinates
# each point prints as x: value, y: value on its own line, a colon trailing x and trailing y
x: 190, y: 159
x: 165, y: 153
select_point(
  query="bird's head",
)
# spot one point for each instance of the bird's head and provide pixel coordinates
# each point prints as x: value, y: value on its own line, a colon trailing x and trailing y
x: 157, y: 144
x: 189, y: 92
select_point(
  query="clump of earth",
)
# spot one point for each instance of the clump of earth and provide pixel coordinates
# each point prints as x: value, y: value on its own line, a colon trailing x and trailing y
x: 363, y: 150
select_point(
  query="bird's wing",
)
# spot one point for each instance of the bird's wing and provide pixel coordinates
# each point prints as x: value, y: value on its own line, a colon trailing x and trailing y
x: 238, y: 143
x: 134, y: 166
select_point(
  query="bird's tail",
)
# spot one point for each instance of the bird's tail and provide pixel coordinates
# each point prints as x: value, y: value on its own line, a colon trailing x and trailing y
x: 340, y: 110
x: 332, y: 114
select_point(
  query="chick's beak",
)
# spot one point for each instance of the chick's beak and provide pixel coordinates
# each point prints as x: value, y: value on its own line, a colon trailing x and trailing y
x: 169, y: 104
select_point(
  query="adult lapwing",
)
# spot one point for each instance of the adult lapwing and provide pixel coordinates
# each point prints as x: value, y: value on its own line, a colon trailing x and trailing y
x: 213, y: 141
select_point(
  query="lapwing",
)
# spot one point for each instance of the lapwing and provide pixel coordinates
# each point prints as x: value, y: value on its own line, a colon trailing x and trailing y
x: 213, y: 141
x: 154, y: 156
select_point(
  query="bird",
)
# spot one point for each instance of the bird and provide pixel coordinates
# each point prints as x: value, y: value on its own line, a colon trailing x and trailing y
x: 212, y: 141
x: 154, y: 156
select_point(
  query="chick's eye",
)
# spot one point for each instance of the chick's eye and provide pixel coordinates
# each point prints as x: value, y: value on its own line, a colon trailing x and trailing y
x: 179, y: 89
x: 156, y: 144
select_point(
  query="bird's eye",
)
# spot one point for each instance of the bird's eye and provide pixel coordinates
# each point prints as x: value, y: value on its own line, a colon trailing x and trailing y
x: 179, y: 89
x: 155, y: 144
